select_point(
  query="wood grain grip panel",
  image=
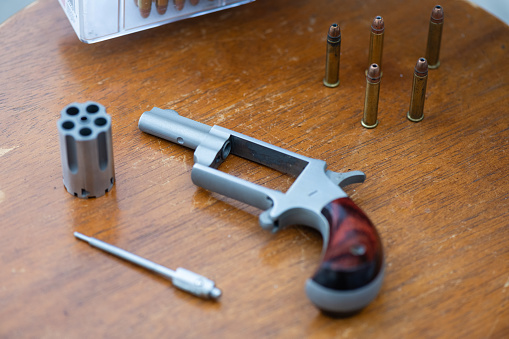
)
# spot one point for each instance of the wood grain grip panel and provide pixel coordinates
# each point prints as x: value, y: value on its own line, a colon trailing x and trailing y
x: 354, y: 256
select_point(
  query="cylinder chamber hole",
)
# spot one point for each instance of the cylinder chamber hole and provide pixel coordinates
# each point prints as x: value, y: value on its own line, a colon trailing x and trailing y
x: 92, y: 108
x: 100, y: 121
x: 85, y: 132
x: 68, y: 125
x: 72, y: 110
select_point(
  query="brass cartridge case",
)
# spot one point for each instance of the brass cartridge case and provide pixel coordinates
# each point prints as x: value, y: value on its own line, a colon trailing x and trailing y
x: 376, y: 42
x: 416, y: 111
x: 373, y: 77
x: 435, y: 37
x: 332, y: 61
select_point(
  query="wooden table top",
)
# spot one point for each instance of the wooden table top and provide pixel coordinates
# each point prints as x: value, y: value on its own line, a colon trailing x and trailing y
x: 437, y: 191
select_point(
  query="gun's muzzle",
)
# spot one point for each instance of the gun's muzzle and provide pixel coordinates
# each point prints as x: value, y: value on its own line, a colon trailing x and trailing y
x: 169, y: 125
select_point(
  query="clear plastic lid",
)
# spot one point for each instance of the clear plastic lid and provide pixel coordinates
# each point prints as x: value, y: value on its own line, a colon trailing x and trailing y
x: 98, y: 20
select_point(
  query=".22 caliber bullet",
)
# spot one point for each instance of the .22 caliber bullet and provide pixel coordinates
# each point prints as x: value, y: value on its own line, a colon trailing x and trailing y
x: 436, y: 24
x: 416, y: 111
x: 369, y: 120
x: 333, y: 51
x: 376, y: 43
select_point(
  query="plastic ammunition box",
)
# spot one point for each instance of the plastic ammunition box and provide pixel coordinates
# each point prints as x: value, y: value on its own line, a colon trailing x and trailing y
x: 98, y: 20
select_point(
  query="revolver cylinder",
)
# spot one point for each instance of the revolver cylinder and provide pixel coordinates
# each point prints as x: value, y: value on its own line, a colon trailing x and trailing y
x: 86, y: 149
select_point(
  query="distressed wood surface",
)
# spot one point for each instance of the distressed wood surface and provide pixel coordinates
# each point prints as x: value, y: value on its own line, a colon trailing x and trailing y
x: 437, y: 190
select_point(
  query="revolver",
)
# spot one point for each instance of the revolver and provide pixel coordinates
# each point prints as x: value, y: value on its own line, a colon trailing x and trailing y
x: 351, y: 271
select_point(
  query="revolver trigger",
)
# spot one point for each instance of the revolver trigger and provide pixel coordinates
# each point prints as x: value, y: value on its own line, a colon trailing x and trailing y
x: 344, y: 179
x: 267, y: 223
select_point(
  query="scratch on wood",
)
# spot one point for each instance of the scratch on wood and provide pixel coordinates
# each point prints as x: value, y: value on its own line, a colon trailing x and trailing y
x: 303, y: 234
x: 4, y: 151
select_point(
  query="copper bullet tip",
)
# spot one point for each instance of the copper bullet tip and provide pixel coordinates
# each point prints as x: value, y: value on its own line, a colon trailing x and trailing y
x: 144, y: 13
x: 437, y: 14
x: 179, y: 4
x: 334, y: 31
x: 373, y: 74
x: 378, y: 26
x: 421, y: 67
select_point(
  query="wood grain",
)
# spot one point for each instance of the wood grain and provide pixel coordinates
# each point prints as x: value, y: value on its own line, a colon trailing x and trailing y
x: 437, y: 190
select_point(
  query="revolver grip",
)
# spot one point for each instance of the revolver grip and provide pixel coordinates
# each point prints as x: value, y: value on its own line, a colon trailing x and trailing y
x: 351, y: 272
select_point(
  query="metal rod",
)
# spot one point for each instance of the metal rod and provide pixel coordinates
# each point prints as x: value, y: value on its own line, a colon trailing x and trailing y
x: 181, y: 278
x: 149, y: 265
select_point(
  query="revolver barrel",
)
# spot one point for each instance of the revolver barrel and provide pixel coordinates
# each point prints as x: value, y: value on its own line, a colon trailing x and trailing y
x: 169, y: 125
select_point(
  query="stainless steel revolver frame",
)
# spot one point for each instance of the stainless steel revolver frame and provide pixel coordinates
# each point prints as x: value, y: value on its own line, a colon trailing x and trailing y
x: 352, y: 268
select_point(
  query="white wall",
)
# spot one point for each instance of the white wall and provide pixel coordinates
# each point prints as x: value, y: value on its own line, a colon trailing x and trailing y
x: 9, y: 7
x: 499, y: 8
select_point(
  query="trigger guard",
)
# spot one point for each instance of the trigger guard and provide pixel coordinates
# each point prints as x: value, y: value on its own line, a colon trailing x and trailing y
x: 295, y: 216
